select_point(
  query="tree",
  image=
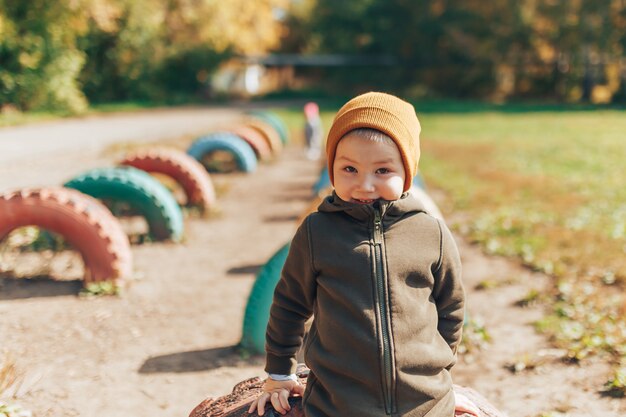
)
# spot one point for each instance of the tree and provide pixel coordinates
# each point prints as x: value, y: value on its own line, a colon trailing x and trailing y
x: 54, y: 51
x: 157, y: 49
x: 39, y: 60
x: 444, y: 46
x: 531, y: 48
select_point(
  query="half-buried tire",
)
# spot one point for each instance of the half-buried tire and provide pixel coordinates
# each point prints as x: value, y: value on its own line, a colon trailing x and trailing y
x: 184, y: 169
x: 267, y: 131
x: 257, y: 312
x: 273, y: 120
x: 323, y: 181
x: 256, y: 140
x: 143, y: 193
x: 83, y: 221
x: 236, y: 147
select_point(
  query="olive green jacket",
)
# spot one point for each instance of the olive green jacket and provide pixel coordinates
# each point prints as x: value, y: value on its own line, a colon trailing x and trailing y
x: 383, y: 282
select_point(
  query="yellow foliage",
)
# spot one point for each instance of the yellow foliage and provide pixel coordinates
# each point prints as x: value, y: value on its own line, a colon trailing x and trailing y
x: 613, y: 75
x: 601, y: 94
x: 243, y: 26
x: 105, y: 14
x: 545, y: 51
x: 249, y: 28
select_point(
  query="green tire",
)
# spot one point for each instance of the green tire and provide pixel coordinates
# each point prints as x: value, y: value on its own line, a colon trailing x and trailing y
x: 142, y: 192
x: 257, y: 312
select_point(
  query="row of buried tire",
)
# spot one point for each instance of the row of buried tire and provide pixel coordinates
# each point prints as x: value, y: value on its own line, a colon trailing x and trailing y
x: 80, y: 210
x: 259, y: 137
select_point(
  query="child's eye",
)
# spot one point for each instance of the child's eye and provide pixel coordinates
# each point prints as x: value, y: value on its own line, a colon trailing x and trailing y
x: 383, y: 171
x: 349, y: 169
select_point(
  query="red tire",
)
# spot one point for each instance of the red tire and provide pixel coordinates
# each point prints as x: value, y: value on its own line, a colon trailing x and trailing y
x: 184, y: 169
x: 83, y: 221
x: 257, y: 141
x: 270, y: 134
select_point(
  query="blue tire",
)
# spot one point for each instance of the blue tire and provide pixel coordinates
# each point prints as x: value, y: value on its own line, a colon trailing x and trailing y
x: 240, y: 150
x: 257, y: 313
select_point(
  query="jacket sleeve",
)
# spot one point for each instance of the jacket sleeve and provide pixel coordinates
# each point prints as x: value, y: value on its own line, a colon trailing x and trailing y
x: 448, y: 291
x: 292, y: 305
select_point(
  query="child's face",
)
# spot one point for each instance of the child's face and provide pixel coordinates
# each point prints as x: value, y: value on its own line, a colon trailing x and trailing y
x: 365, y: 171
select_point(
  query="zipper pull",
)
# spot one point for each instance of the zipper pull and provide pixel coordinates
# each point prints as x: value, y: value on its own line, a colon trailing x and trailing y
x: 378, y: 228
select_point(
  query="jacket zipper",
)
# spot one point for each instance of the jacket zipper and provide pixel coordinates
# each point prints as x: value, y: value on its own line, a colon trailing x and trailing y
x: 383, y: 310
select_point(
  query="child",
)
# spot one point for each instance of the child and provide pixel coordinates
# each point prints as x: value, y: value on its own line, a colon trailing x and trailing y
x: 380, y: 276
x: 312, y: 131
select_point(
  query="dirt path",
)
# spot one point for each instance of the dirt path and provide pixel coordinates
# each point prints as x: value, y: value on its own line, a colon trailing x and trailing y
x: 96, y: 132
x: 545, y: 391
x: 167, y: 342
x: 51, y: 152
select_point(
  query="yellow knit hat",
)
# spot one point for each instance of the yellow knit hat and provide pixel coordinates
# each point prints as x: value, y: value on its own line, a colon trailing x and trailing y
x: 386, y: 113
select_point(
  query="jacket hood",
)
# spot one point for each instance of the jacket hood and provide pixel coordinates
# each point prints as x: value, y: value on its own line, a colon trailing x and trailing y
x: 390, y: 210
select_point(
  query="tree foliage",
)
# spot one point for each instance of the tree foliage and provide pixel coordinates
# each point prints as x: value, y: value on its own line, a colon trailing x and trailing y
x: 56, y: 53
x: 155, y: 49
x: 60, y: 54
x: 39, y: 59
x: 497, y: 48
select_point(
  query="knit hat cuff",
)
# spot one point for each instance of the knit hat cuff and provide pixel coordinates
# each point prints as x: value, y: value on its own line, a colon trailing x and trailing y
x: 381, y: 120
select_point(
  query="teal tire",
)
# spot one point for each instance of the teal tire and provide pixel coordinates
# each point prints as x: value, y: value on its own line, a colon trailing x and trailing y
x: 323, y: 182
x: 142, y: 192
x: 274, y: 121
x: 257, y: 312
x: 240, y: 150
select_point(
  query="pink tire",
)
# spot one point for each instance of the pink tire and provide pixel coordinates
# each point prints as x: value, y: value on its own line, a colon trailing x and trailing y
x: 270, y: 134
x: 83, y: 221
x: 184, y: 169
x: 255, y: 139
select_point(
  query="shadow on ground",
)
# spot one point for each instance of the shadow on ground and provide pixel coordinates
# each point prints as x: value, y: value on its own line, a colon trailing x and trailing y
x: 196, y: 360
x: 14, y: 288
x: 244, y: 269
x: 281, y: 218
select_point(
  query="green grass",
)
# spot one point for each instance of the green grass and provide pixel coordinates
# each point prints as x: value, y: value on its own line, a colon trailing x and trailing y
x: 547, y: 188
x: 15, y: 118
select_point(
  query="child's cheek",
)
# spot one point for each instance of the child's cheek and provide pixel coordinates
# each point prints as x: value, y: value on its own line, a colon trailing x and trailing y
x: 396, y: 185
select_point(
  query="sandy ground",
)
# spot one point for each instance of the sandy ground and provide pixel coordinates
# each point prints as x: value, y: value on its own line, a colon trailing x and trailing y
x: 168, y: 341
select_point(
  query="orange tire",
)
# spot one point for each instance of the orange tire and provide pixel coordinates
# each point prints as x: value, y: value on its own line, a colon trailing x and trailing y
x: 83, y: 221
x: 255, y: 139
x: 267, y: 131
x: 184, y: 169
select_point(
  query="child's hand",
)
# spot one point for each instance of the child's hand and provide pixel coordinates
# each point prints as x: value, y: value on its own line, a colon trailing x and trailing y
x: 462, y: 405
x: 278, y: 393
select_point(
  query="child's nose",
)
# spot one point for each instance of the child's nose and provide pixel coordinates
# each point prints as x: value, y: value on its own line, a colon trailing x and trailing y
x: 367, y: 183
